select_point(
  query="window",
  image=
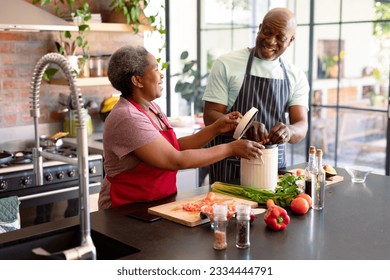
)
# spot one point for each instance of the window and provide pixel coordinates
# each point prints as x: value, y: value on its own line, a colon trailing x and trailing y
x: 345, y: 53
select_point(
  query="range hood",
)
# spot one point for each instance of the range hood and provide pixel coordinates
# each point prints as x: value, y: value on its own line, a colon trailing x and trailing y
x: 19, y: 15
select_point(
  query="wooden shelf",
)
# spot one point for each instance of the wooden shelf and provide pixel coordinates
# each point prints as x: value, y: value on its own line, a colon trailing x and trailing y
x: 105, y: 27
x: 83, y: 82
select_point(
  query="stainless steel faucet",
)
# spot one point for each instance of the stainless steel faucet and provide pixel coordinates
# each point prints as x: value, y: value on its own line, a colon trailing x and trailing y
x: 86, y: 250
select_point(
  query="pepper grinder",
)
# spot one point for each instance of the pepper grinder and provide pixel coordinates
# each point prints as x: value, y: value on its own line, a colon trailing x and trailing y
x: 243, y: 225
x: 220, y: 224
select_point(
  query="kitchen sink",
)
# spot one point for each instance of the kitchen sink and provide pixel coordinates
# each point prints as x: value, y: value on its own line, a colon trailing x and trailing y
x: 107, y: 248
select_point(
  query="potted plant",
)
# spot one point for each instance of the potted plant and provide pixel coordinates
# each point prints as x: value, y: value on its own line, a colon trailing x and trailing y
x: 66, y: 44
x: 190, y: 83
x: 331, y: 64
x: 132, y: 11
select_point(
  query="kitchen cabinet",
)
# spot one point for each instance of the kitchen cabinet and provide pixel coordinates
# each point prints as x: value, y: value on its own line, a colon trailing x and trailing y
x: 187, y: 179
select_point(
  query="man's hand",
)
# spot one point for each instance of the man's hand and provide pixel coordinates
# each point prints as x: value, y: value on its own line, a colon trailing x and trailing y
x: 257, y: 132
x: 279, y: 134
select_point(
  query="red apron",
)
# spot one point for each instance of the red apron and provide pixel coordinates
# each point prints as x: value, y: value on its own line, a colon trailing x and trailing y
x: 145, y: 182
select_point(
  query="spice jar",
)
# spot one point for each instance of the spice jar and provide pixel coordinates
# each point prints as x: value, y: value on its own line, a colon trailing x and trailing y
x: 243, y: 225
x: 220, y: 224
x: 105, y: 61
x: 95, y: 66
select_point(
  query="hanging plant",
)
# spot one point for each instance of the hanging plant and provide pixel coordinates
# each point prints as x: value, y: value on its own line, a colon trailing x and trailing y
x: 133, y: 13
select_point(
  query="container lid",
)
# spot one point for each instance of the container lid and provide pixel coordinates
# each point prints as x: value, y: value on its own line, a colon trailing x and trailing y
x: 243, y: 209
x: 245, y: 123
x: 220, y: 211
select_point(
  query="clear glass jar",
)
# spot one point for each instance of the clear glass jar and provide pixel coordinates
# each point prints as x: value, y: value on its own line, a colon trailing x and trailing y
x: 95, y: 66
x: 220, y: 225
x: 243, y: 225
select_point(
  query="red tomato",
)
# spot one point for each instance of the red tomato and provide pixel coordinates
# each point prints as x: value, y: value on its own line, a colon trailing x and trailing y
x: 252, y: 216
x: 299, y: 205
x: 299, y: 172
x: 307, y: 197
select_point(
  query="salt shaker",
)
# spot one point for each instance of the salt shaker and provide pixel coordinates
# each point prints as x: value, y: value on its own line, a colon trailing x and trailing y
x: 220, y: 224
x: 243, y: 225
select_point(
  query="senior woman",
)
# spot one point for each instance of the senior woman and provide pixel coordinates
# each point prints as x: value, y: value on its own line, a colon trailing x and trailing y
x: 141, y: 151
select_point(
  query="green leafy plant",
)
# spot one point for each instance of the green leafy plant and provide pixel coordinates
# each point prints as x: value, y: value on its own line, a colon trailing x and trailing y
x: 331, y: 60
x: 133, y: 11
x: 190, y: 83
x: 78, y: 9
x: 382, y: 12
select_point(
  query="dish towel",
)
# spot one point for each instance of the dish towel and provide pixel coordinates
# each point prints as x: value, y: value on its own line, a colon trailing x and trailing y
x: 9, y: 214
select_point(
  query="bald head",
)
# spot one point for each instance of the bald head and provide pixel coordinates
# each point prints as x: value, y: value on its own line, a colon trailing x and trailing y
x: 276, y: 33
x: 283, y: 17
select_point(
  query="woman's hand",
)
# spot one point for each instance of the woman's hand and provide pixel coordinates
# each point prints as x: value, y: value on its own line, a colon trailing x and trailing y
x: 227, y: 122
x: 246, y: 149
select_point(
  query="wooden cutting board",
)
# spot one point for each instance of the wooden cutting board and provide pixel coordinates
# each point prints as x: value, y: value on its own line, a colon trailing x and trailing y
x: 174, y: 211
x: 329, y: 181
x: 334, y: 180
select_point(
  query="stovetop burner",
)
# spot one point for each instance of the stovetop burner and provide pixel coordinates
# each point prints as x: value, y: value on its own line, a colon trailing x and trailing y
x: 18, y: 158
x: 21, y: 157
x: 25, y: 156
x: 67, y: 151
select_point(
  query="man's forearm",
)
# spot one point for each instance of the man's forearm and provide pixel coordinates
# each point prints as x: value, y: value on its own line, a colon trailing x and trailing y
x: 297, y: 132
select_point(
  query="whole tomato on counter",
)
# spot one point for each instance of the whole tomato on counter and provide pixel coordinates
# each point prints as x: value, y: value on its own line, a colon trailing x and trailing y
x: 299, y: 205
x: 307, y: 197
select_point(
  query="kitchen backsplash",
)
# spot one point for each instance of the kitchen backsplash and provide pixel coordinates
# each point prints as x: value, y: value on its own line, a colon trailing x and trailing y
x: 20, y: 51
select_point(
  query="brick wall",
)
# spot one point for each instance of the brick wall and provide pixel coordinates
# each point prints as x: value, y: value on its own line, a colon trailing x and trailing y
x: 20, y: 51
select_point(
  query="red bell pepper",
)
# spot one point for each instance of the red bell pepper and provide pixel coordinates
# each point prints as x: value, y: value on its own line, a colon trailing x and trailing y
x: 276, y: 217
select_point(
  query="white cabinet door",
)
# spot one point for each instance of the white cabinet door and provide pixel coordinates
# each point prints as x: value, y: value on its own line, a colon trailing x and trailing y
x: 187, y: 179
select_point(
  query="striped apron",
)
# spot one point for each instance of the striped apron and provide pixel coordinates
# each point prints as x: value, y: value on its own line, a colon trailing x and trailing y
x: 270, y: 96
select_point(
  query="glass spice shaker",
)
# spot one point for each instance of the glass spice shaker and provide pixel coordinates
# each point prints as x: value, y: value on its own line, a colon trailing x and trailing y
x: 243, y: 225
x: 220, y: 224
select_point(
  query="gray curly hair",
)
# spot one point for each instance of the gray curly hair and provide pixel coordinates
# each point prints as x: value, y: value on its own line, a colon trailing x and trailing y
x: 126, y: 62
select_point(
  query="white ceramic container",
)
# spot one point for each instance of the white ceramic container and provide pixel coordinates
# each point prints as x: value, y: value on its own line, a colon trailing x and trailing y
x: 261, y: 173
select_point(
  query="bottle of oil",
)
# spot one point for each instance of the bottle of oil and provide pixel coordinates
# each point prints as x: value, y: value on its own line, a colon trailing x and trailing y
x: 311, y: 164
x: 318, y: 183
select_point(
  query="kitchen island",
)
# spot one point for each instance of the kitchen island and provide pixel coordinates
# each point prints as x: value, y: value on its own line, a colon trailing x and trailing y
x: 352, y: 226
